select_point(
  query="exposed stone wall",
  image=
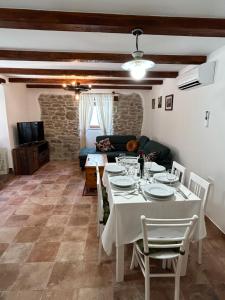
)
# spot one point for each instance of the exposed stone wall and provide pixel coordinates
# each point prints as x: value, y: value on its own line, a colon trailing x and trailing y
x: 60, y: 114
x: 128, y: 114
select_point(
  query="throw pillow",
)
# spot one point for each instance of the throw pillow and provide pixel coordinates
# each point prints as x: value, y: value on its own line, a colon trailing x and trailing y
x: 104, y: 145
x: 153, y: 156
x: 132, y: 145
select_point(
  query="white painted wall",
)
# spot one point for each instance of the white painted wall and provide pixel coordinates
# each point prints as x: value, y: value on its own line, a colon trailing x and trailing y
x: 200, y: 149
x: 4, y: 132
x: 16, y: 110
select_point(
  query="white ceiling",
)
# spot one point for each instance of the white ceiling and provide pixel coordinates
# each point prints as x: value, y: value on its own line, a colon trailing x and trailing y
x: 106, y: 42
x: 190, y: 8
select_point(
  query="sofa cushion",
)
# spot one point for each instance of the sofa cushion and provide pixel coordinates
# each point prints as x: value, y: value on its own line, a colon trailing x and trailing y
x: 104, y: 145
x: 152, y: 146
x: 118, y: 141
x: 142, y: 141
x: 132, y: 145
x: 153, y: 156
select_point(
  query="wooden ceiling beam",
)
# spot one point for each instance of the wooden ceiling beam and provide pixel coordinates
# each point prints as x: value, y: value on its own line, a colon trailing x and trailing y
x: 114, y: 87
x: 97, y: 57
x: 111, y: 23
x: 66, y: 72
x: 84, y: 81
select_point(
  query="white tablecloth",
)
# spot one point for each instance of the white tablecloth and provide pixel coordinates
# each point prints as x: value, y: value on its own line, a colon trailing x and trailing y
x: 124, y: 225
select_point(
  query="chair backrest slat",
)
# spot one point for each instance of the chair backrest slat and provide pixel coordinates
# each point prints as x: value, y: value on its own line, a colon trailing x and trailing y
x: 200, y: 187
x: 179, y: 170
x: 164, y: 240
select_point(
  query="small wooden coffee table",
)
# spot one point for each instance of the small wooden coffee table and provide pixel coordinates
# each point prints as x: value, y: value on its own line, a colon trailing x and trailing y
x: 90, y: 169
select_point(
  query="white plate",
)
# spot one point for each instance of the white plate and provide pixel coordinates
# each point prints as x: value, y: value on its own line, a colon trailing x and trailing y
x: 122, y: 181
x: 114, y: 168
x: 162, y: 177
x: 154, y: 167
x: 158, y: 190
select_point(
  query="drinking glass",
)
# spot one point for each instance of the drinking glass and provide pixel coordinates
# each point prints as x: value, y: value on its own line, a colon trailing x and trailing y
x: 170, y: 176
x: 120, y: 159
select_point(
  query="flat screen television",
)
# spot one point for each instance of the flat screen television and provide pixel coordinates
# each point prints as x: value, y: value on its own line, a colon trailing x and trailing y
x: 30, y: 132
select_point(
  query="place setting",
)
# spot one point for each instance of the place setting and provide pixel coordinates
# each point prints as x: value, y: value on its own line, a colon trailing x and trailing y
x: 124, y: 186
x: 115, y: 169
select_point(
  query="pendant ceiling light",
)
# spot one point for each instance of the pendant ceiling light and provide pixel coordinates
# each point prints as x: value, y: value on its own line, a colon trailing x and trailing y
x: 138, y: 66
x: 77, y: 88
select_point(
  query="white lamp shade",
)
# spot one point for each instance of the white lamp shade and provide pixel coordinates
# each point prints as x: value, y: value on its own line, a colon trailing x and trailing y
x: 138, y: 67
x: 137, y: 73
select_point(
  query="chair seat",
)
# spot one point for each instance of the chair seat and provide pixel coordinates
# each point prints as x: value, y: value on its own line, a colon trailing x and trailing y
x: 159, y: 253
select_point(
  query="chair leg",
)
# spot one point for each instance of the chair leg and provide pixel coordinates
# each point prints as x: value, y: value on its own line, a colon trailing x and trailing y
x: 177, y: 278
x: 200, y: 252
x: 177, y: 287
x: 99, y: 251
x: 100, y: 245
x: 147, y: 278
x: 168, y: 263
x: 132, y: 264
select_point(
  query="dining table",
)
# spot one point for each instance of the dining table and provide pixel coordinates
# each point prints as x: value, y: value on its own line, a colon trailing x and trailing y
x: 124, y: 226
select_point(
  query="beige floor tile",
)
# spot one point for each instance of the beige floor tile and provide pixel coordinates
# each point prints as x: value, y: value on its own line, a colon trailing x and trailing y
x: 57, y: 220
x: 51, y: 233
x: 33, y: 276
x: 28, y: 234
x: 3, y: 247
x: 95, y: 293
x: 80, y: 275
x: 75, y: 233
x: 71, y: 251
x: 63, y: 209
x: 7, y: 234
x: 21, y: 295
x: 16, y: 253
x: 16, y: 220
x: 8, y: 275
x: 60, y: 295
x: 44, y: 252
x: 77, y: 220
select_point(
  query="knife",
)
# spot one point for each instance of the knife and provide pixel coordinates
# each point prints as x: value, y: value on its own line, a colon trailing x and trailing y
x: 182, y: 193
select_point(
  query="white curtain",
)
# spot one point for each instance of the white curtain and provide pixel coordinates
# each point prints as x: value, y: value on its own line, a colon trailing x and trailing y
x: 104, y: 107
x: 86, y: 105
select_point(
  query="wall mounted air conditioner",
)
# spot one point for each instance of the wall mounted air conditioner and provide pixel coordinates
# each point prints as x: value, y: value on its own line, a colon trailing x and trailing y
x: 198, y: 76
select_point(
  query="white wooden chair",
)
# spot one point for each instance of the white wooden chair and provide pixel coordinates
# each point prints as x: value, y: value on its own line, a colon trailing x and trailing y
x: 163, y: 239
x: 200, y: 187
x: 100, y: 213
x: 179, y: 170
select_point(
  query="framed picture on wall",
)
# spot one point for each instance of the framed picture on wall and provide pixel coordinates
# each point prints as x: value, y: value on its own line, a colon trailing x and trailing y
x: 153, y: 103
x: 160, y: 102
x: 169, y: 102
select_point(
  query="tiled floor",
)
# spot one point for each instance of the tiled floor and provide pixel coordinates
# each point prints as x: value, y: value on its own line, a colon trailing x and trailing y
x: 48, y: 247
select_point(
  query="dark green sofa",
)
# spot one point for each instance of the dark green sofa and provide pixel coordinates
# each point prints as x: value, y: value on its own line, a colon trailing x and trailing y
x: 119, y: 142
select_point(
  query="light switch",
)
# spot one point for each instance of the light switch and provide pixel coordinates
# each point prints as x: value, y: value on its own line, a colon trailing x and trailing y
x: 206, y: 119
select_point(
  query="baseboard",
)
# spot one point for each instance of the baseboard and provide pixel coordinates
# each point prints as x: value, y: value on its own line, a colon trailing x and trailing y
x: 215, y: 225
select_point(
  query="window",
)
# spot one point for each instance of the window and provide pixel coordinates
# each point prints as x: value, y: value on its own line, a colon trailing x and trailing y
x: 94, y: 119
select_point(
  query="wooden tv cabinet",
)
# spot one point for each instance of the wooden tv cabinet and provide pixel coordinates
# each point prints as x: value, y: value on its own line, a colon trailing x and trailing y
x: 29, y: 158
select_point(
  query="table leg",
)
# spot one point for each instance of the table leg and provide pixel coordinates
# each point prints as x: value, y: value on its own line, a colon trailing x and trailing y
x: 120, y: 263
